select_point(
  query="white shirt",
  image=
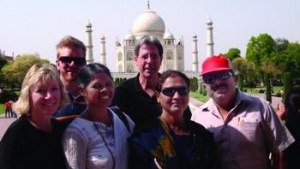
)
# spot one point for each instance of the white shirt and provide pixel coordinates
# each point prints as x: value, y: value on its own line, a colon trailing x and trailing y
x: 84, y: 147
x: 250, y: 132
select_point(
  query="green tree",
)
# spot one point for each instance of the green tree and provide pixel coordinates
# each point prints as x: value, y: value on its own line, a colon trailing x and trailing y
x: 193, y: 84
x: 241, y: 66
x: 2, y: 62
x: 233, y: 53
x: 281, y: 44
x: 287, y: 59
x: 270, y: 70
x: 15, y: 71
x: 259, y: 50
x: 293, y: 60
x: 287, y: 84
x: 280, y: 58
x: 268, y: 88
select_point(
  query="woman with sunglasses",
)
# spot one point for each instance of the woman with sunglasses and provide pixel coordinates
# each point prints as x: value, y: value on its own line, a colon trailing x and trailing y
x: 171, y: 141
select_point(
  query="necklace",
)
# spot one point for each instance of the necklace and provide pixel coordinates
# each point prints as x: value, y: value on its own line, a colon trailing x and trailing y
x: 76, y: 97
x: 106, y: 145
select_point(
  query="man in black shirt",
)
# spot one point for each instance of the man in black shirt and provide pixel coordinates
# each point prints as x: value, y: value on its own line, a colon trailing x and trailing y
x: 70, y: 59
x: 136, y: 96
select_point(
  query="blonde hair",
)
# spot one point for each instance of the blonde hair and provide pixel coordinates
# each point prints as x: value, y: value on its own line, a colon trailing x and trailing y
x: 70, y: 42
x: 37, y: 73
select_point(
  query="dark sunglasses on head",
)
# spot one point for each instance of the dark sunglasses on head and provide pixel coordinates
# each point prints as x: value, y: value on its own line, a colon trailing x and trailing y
x: 210, y: 79
x: 170, y: 91
x: 68, y: 60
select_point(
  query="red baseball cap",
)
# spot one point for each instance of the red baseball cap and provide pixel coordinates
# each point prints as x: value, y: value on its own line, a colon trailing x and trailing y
x: 216, y: 64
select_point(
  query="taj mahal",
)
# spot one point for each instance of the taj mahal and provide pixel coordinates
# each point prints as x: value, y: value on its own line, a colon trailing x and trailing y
x: 149, y: 22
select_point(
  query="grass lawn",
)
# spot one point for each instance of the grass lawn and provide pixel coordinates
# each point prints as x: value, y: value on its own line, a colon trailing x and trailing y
x: 2, y: 109
x: 276, y: 89
x: 198, y: 96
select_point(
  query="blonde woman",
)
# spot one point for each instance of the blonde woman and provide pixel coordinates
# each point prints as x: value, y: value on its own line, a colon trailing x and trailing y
x: 34, y: 139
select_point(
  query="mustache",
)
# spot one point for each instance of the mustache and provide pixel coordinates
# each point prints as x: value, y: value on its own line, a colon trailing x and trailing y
x: 215, y: 87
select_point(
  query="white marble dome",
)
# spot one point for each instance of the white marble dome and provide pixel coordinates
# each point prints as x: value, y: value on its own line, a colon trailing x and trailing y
x: 149, y: 22
x: 129, y: 36
x: 169, y: 35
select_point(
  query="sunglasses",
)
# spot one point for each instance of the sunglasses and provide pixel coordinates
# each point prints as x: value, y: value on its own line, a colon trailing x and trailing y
x: 170, y: 91
x: 210, y: 79
x: 68, y: 60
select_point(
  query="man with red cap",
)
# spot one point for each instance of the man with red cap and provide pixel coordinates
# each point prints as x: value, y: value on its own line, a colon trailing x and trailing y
x: 246, y: 128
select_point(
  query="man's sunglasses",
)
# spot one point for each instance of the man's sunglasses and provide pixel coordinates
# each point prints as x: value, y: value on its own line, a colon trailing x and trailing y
x: 210, y: 79
x: 68, y: 60
x: 170, y: 91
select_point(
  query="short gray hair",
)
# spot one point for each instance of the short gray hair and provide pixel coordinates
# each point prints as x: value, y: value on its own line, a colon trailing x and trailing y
x: 149, y: 40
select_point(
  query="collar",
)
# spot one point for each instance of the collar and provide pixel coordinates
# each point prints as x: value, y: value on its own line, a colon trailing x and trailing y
x: 77, y: 98
x: 137, y: 85
x: 241, y: 98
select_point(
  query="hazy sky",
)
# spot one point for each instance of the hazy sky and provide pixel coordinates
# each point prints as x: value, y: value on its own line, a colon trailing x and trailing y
x: 29, y: 26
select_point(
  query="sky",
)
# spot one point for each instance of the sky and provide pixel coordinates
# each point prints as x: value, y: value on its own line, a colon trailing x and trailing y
x: 36, y: 26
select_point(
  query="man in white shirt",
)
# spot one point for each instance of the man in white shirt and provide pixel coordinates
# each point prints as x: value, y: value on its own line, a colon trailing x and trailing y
x: 246, y: 128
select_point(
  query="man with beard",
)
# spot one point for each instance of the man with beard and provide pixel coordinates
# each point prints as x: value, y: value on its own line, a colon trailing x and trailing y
x: 70, y: 59
x: 246, y: 128
x: 136, y: 96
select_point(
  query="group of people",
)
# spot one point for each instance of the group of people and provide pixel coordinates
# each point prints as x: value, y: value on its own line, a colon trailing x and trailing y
x: 72, y: 116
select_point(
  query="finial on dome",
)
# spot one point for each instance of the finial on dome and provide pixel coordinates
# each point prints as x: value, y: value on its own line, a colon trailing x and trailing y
x: 209, y: 22
x: 148, y: 5
x: 89, y: 24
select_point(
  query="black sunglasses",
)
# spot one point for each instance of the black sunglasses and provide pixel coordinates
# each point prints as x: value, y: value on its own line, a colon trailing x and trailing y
x: 210, y: 79
x: 68, y: 60
x: 170, y: 91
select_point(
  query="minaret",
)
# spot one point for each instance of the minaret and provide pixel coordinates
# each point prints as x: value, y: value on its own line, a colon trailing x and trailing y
x: 102, y: 51
x: 210, y: 40
x: 148, y: 5
x: 89, y: 44
x: 195, y: 54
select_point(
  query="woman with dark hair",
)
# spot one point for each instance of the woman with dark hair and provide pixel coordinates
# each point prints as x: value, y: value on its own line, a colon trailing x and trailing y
x: 98, y: 137
x: 171, y: 141
x: 292, y: 109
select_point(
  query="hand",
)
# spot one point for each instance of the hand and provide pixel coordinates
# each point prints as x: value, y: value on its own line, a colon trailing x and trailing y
x: 281, y: 111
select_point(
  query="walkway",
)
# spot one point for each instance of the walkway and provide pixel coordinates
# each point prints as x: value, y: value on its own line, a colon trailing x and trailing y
x: 194, y: 104
x: 4, y: 124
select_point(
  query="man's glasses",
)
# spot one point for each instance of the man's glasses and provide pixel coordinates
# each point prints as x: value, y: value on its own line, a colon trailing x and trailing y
x: 170, y: 91
x: 68, y: 60
x: 152, y: 56
x: 210, y: 79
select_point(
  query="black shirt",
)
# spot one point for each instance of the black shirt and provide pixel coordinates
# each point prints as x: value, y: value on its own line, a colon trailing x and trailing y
x: 76, y: 107
x: 67, y: 113
x: 24, y: 146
